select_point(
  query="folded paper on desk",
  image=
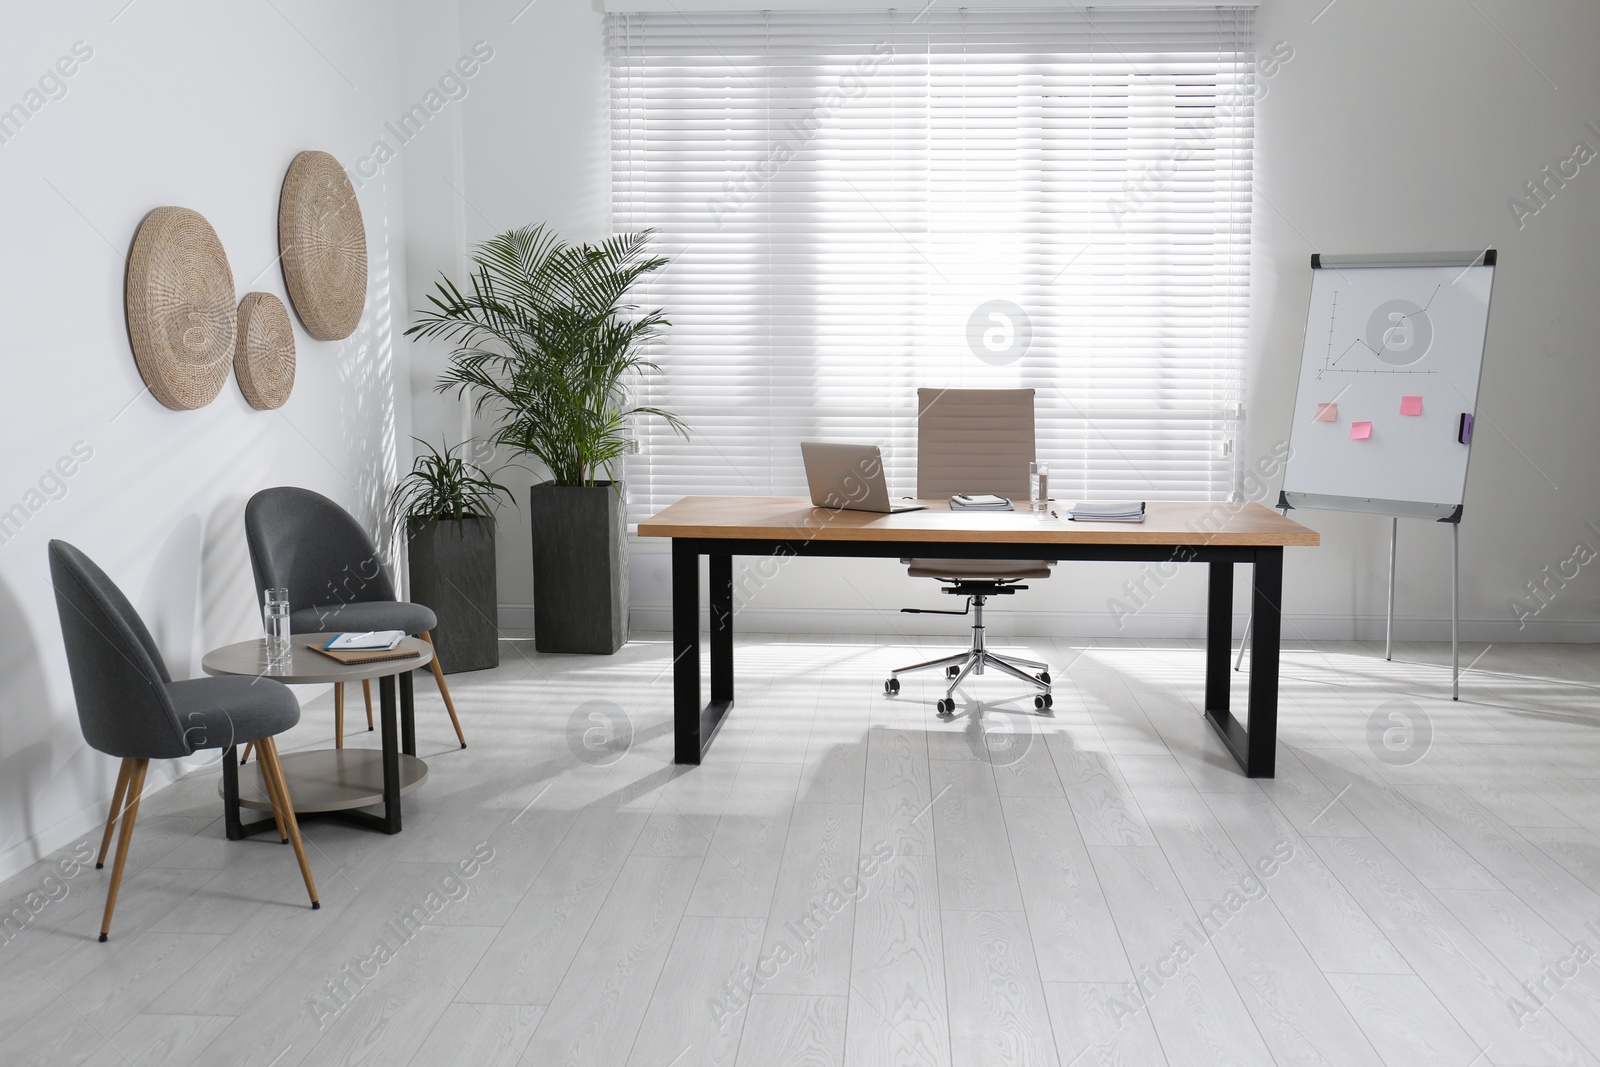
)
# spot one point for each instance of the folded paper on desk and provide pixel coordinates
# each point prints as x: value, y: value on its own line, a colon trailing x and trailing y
x: 980, y: 502
x: 359, y: 656
x: 1120, y: 511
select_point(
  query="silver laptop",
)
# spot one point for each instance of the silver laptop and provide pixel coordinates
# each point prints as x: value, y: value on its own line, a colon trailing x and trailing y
x: 849, y: 477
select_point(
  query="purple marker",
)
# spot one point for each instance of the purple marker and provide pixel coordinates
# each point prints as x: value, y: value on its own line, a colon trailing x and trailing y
x: 1464, y: 432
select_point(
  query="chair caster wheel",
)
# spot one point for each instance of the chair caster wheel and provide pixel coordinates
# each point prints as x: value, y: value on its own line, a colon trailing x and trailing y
x: 1043, y: 701
x: 951, y: 672
x: 946, y: 706
x: 1044, y: 676
x: 891, y: 687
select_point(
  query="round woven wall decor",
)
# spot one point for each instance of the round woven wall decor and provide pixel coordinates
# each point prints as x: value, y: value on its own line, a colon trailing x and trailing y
x: 263, y: 359
x: 181, y: 318
x: 324, y: 246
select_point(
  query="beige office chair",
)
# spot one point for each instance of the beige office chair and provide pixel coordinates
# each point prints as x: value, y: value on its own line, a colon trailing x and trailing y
x: 975, y: 441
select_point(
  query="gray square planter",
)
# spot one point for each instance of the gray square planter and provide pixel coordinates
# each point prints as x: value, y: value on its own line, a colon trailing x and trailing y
x: 580, y: 567
x: 453, y: 572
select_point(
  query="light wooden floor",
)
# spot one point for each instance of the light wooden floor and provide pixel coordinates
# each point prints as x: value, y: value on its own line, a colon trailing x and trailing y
x: 848, y: 880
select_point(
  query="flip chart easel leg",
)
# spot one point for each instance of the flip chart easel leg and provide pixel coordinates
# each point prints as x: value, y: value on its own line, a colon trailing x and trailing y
x: 1388, y: 626
x: 1249, y: 621
x: 1455, y: 611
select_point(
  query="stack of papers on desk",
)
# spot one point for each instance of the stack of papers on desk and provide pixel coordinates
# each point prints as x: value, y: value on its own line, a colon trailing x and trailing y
x: 979, y: 502
x: 365, y: 642
x: 1130, y: 511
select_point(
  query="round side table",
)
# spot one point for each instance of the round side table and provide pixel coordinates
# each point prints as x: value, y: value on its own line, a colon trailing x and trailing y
x: 335, y: 782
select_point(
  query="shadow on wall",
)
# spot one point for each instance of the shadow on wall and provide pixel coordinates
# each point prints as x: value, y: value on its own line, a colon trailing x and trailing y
x: 40, y: 744
x: 228, y: 601
x: 369, y: 416
x: 170, y: 595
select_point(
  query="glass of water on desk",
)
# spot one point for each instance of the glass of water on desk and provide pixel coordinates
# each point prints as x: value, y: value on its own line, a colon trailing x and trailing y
x: 1039, y: 487
x: 275, y: 619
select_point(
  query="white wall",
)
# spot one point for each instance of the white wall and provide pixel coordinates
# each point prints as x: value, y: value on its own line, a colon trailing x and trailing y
x: 1398, y: 127
x: 203, y: 105
x: 535, y: 149
x: 1406, y: 127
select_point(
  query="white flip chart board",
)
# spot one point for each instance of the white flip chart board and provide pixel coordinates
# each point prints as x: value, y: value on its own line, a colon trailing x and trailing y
x: 1389, y: 383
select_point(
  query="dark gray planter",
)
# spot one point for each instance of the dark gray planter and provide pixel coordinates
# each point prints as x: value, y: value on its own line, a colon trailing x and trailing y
x: 580, y: 567
x: 453, y: 572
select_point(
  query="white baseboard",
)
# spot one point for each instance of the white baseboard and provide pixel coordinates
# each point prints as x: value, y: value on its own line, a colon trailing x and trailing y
x: 517, y: 619
x: 90, y: 823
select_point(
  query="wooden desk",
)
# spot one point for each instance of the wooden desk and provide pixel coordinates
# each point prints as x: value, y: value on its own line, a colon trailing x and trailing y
x: 1217, y: 534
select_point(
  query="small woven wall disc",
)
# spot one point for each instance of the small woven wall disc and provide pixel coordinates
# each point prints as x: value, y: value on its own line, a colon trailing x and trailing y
x: 181, y: 318
x: 324, y: 246
x: 263, y: 359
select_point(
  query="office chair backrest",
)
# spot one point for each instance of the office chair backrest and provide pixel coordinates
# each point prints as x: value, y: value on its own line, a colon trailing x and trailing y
x: 118, y: 677
x: 974, y: 441
x: 303, y: 542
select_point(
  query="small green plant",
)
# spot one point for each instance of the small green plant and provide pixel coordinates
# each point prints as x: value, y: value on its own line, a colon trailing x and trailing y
x: 546, y: 342
x: 442, y: 486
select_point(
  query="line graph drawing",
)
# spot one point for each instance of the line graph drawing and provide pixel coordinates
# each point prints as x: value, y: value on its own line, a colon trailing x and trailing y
x: 1398, y: 334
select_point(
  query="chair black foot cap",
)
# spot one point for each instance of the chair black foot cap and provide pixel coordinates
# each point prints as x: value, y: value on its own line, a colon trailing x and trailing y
x: 99, y: 866
x: 285, y: 841
x: 316, y: 905
x: 369, y: 729
x: 104, y: 938
x: 463, y: 744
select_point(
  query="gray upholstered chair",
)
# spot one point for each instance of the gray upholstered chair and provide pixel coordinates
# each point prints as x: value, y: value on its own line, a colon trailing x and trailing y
x: 975, y: 441
x: 129, y: 706
x: 303, y: 542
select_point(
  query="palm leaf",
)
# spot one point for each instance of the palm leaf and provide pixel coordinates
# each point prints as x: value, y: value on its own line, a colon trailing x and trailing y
x: 546, y: 342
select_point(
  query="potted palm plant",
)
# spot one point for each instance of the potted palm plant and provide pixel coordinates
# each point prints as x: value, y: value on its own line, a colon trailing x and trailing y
x: 547, y: 344
x: 447, y: 507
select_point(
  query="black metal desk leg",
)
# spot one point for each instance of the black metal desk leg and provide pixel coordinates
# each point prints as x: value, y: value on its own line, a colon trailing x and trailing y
x: 391, y: 755
x: 685, y: 653
x: 1219, y: 635
x: 1266, y: 600
x: 721, y: 627
x: 408, y: 715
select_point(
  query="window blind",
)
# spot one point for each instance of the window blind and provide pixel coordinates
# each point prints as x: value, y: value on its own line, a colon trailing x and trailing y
x: 857, y: 204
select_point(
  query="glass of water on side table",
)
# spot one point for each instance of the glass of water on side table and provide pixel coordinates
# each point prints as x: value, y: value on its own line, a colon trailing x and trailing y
x: 1039, y: 488
x: 275, y: 618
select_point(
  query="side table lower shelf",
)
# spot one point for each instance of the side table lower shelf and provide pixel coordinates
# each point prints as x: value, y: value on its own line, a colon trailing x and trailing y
x: 328, y: 781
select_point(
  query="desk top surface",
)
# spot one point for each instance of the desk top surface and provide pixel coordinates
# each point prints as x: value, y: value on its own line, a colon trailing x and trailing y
x: 791, y: 518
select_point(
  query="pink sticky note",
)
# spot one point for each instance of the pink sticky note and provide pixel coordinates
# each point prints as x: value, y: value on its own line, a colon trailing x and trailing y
x: 1327, y: 413
x: 1411, y: 405
x: 1360, y: 431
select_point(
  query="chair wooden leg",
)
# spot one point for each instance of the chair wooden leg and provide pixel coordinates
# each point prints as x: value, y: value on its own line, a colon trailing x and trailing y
x: 366, y: 691
x: 444, y: 690
x: 270, y: 764
x: 116, y: 809
x: 251, y: 747
x: 135, y: 790
x: 270, y: 785
x: 338, y: 714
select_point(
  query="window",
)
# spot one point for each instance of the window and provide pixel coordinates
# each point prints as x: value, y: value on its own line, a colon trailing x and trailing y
x: 860, y: 203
